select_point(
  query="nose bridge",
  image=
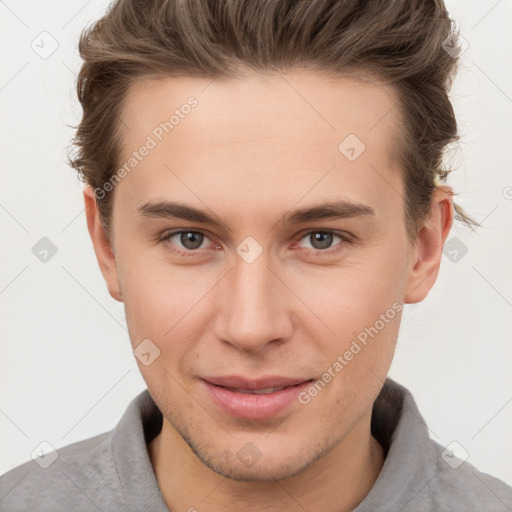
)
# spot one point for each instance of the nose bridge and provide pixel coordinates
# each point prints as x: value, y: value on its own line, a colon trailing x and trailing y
x: 254, y: 312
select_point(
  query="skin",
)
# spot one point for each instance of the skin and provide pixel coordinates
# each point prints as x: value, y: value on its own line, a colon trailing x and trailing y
x: 252, y: 150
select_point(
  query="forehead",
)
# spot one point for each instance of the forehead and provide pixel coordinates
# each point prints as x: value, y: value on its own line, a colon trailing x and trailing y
x: 266, y: 134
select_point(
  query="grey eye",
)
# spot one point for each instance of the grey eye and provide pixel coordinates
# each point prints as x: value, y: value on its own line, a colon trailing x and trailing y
x: 321, y: 239
x: 191, y: 239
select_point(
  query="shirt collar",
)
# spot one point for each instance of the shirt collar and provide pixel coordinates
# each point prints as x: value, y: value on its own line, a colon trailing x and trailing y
x: 141, y: 422
x: 400, y: 428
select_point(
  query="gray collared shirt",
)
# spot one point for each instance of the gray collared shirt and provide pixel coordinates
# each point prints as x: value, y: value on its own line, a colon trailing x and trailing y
x: 113, y: 472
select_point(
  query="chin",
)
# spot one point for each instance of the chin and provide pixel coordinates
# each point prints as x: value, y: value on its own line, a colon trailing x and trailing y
x: 275, y: 461
x: 261, y: 471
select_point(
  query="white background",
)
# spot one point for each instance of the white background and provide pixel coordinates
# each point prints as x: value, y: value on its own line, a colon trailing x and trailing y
x: 66, y: 368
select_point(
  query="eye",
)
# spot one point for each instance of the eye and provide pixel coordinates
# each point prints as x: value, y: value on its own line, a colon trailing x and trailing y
x: 184, y: 241
x: 187, y: 242
x: 322, y: 241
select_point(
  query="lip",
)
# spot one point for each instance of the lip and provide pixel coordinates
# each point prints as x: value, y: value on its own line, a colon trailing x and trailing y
x: 222, y: 391
x: 235, y: 381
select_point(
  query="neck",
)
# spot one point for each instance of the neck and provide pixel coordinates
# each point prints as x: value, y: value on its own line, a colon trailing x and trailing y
x: 336, y: 482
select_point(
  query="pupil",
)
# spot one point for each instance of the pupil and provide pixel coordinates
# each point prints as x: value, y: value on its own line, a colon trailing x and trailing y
x: 321, y: 240
x: 191, y: 240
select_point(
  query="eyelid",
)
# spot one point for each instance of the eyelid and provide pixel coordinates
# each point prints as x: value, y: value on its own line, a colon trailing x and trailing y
x: 167, y: 235
x: 345, y: 238
x: 342, y: 234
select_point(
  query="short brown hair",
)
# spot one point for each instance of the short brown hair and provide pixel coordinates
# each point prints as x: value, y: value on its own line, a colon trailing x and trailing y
x: 400, y: 42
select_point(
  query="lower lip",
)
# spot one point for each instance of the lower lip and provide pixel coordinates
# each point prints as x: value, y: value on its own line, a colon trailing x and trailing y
x: 252, y: 406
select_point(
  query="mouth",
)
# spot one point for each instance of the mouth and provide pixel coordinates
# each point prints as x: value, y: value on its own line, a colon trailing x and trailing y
x: 254, y: 399
x: 265, y: 391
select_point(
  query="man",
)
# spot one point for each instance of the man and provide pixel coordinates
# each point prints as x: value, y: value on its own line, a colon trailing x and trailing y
x: 263, y: 195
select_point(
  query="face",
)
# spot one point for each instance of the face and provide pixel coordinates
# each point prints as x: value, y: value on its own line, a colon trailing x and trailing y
x: 258, y: 244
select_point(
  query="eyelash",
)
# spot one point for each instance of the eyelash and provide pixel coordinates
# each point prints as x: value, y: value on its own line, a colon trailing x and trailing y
x: 193, y: 253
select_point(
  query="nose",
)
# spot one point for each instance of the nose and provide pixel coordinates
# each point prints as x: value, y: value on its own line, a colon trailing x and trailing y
x: 255, y: 306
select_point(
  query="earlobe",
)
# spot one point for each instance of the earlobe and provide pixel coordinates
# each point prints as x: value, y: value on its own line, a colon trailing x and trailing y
x: 102, y: 245
x: 426, y: 257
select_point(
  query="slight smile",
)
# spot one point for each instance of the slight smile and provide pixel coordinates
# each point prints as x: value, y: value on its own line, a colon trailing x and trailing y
x: 254, y: 399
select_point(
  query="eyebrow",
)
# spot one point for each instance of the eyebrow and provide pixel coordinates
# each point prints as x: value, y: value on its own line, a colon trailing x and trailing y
x: 342, y: 209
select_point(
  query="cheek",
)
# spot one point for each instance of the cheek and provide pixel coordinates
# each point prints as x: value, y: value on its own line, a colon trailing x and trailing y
x: 156, y: 294
x: 356, y: 359
x: 167, y: 306
x: 361, y: 307
x: 353, y: 297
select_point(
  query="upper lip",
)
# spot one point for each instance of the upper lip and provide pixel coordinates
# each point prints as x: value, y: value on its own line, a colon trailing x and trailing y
x: 234, y: 381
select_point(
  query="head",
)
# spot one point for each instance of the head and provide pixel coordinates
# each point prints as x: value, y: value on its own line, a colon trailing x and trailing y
x: 264, y: 194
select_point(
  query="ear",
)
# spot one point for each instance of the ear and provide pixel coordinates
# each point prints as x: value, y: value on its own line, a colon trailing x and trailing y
x: 102, y: 245
x: 425, y: 258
